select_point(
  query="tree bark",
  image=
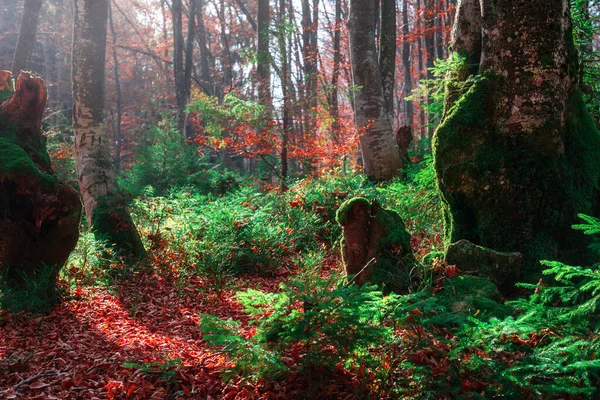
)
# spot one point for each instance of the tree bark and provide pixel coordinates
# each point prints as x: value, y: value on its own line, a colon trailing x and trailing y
x: 263, y: 65
x: 28, y: 32
x: 381, y: 156
x: 387, y: 53
x: 178, y: 62
x: 406, y: 63
x: 516, y: 157
x: 105, y: 208
x: 118, y: 94
x: 39, y: 215
x: 285, y: 86
x: 205, y: 75
x: 309, y: 58
x: 335, y: 76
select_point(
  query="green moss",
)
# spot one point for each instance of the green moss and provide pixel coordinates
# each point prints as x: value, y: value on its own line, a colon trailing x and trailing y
x: 15, y: 164
x: 5, y: 95
x: 395, y: 232
x: 470, y: 295
x: 341, y: 215
x: 517, y: 191
x: 112, y: 222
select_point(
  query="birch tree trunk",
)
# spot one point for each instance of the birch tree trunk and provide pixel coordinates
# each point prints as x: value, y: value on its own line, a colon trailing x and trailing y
x: 105, y: 208
x: 517, y: 153
x: 27, y: 34
x: 381, y: 156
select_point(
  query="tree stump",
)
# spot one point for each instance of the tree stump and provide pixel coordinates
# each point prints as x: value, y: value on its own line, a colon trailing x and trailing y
x: 376, y: 246
x: 39, y: 215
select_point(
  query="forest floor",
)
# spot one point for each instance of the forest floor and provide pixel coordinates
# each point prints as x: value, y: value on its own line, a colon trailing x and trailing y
x: 137, y: 340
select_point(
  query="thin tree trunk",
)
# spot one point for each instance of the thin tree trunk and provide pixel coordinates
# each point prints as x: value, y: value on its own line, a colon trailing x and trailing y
x: 226, y: 55
x: 430, y: 55
x: 206, y: 77
x: 178, y: 62
x: 263, y: 65
x: 118, y: 95
x: 285, y: 84
x: 27, y: 34
x: 335, y: 76
x: 406, y: 61
x: 387, y: 54
x: 105, y: 209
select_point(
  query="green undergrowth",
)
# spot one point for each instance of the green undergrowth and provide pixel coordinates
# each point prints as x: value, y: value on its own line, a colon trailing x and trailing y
x: 35, y: 293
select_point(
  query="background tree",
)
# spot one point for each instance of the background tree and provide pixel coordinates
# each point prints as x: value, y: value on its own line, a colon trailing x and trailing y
x: 27, y: 35
x: 381, y: 156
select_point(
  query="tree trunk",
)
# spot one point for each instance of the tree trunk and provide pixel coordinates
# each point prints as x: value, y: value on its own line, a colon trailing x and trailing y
x: 335, y: 76
x: 406, y: 62
x: 429, y: 55
x: 263, y: 67
x: 205, y: 75
x: 285, y: 85
x: 387, y: 54
x: 39, y: 215
x: 517, y: 155
x: 381, y: 156
x: 178, y: 62
x: 26, y: 41
x: 310, y: 66
x: 105, y: 208
x: 118, y: 94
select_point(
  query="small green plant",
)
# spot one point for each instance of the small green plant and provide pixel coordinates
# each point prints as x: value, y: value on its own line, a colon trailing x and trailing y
x: 90, y: 262
x: 431, y: 93
x: 318, y: 322
x: 35, y: 292
x: 166, y: 369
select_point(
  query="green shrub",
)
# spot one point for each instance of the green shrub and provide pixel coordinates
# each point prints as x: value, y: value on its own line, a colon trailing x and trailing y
x: 318, y: 322
x: 163, y: 159
x: 553, y: 341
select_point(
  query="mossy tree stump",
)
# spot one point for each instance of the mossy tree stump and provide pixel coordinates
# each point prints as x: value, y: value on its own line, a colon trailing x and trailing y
x: 376, y: 246
x: 39, y: 215
x: 516, y: 154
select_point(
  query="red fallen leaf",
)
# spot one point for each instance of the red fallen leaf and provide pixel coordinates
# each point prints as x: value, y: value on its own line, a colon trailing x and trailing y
x: 131, y: 389
x: 416, y: 311
x: 67, y: 383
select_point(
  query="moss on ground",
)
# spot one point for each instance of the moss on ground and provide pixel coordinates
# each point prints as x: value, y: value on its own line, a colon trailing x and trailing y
x: 472, y: 296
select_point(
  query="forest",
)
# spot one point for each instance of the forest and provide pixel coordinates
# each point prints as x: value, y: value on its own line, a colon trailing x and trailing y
x: 299, y: 199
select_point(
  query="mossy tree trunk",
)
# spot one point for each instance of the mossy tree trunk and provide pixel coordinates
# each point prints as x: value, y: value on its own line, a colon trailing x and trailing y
x: 105, y: 208
x: 39, y: 215
x: 517, y: 153
x: 381, y: 157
